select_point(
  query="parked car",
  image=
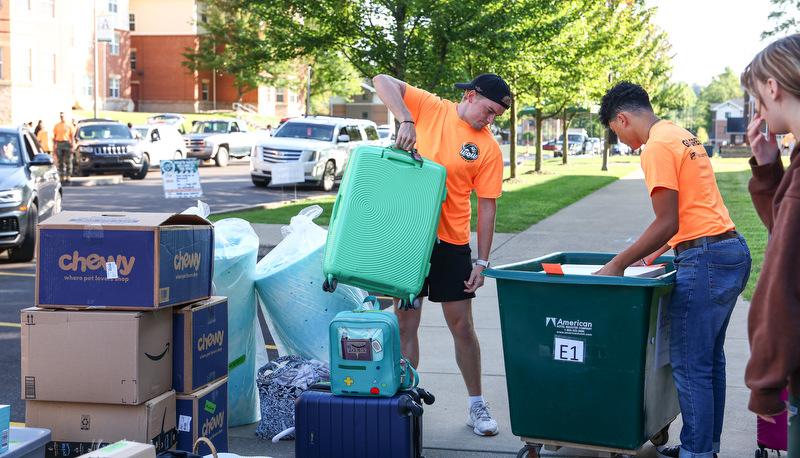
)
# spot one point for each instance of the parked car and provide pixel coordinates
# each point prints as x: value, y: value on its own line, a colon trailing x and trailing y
x: 620, y: 148
x: 577, y: 144
x: 222, y: 139
x: 596, y: 145
x: 386, y: 132
x: 160, y: 142
x: 322, y: 144
x: 103, y: 147
x: 175, y: 119
x: 30, y: 191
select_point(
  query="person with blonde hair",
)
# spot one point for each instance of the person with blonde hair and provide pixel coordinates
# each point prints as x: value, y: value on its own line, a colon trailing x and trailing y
x: 773, y: 80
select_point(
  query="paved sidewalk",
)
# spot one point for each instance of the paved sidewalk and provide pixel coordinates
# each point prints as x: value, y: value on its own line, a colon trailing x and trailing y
x: 607, y: 221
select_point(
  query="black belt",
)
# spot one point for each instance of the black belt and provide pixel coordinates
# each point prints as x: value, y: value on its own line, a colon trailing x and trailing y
x: 698, y: 242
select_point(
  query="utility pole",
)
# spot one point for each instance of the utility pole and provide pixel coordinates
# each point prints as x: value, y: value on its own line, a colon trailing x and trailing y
x: 94, y: 55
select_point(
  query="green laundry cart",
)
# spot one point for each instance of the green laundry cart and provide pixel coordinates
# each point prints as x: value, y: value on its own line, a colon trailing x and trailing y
x: 586, y: 356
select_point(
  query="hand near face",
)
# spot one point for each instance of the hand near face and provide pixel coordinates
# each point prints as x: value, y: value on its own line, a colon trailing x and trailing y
x: 765, y: 147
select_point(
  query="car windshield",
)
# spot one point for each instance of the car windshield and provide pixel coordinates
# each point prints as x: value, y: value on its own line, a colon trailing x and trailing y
x: 304, y: 130
x: 164, y: 118
x: 205, y: 127
x: 142, y: 131
x: 10, y: 152
x: 104, y: 131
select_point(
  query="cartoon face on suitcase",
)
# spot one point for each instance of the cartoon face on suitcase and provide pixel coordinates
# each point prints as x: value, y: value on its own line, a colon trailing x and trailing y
x: 365, y: 354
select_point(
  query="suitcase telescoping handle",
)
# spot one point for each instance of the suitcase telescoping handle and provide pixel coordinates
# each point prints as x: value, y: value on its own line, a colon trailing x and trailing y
x: 411, y: 157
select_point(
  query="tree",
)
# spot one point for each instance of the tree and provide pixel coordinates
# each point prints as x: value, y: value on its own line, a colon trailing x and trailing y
x: 786, y: 15
x: 724, y: 86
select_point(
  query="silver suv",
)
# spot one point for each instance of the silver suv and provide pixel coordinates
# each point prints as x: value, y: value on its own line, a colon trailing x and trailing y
x: 321, y: 144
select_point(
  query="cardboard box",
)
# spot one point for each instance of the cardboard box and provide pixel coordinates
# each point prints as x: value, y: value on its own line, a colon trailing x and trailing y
x: 204, y: 413
x: 100, y: 356
x: 77, y: 428
x: 130, y: 261
x: 5, y: 425
x: 200, y: 334
x: 123, y: 449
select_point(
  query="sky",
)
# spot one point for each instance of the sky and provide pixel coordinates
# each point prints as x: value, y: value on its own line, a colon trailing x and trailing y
x: 709, y: 35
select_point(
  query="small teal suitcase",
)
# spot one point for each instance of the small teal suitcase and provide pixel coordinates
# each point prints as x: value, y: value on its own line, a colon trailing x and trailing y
x: 365, y: 353
x: 384, y: 221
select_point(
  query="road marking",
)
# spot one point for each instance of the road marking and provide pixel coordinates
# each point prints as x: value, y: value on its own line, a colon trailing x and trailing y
x: 271, y: 347
x: 17, y: 425
x: 11, y: 325
x: 17, y: 275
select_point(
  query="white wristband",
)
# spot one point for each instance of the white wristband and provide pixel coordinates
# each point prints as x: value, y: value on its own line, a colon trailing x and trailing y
x: 483, y: 263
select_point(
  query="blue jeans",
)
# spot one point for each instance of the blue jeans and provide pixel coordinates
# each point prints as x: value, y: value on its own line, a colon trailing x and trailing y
x: 708, y: 281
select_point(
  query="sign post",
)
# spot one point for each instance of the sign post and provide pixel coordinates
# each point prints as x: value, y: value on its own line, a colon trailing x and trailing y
x: 181, y: 178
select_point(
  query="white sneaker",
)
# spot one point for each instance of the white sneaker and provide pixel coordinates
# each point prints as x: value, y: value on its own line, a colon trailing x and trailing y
x: 481, y: 420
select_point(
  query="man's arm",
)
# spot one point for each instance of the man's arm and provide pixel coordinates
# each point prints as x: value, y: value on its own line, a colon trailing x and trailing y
x: 391, y: 92
x: 666, y: 224
x: 487, y: 210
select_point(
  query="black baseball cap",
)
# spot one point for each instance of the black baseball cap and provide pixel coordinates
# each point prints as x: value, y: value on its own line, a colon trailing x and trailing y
x: 490, y: 86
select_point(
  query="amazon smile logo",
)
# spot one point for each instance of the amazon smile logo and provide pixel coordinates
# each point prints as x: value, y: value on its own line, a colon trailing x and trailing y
x: 158, y: 357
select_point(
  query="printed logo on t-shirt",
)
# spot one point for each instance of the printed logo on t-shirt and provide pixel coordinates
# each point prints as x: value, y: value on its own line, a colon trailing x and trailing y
x: 469, y: 151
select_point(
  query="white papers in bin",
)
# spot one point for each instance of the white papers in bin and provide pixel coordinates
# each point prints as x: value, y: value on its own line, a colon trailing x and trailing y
x: 638, y: 271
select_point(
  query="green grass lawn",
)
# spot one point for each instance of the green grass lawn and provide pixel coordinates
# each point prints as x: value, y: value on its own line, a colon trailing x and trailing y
x: 533, y: 197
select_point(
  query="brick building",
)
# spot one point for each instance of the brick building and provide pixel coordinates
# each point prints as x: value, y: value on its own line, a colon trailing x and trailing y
x: 720, y: 113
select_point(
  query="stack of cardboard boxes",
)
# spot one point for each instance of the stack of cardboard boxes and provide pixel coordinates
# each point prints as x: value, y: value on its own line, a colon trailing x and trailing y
x: 125, y: 341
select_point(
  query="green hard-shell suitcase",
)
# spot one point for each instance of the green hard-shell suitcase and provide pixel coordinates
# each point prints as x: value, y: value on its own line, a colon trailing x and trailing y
x: 384, y: 223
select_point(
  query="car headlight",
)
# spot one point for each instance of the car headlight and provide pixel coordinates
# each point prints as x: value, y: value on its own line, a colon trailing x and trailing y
x: 86, y: 149
x: 11, y: 196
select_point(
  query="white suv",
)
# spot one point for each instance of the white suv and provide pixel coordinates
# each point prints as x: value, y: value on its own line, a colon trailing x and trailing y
x: 322, y: 144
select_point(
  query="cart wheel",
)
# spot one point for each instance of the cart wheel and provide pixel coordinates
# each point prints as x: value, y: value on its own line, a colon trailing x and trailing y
x: 530, y: 450
x: 661, y: 437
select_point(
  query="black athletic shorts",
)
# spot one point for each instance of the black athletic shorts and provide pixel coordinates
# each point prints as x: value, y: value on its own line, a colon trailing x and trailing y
x: 450, y: 268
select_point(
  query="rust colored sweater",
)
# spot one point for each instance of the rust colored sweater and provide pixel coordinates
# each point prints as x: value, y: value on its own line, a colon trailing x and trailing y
x: 774, y: 321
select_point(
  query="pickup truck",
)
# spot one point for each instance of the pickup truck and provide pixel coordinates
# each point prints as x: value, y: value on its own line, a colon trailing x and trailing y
x: 221, y: 139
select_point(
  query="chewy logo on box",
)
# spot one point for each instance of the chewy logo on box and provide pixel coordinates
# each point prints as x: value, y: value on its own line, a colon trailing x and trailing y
x: 200, y: 336
x: 131, y: 261
x: 204, y: 413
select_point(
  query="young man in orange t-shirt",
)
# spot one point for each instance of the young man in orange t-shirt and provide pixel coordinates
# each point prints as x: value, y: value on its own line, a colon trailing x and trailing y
x: 63, y: 133
x: 457, y: 136
x: 712, y: 260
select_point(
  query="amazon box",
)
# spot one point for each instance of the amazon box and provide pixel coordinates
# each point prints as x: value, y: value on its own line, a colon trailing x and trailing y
x: 129, y: 261
x: 200, y: 334
x: 204, y: 413
x: 77, y: 428
x: 123, y: 449
x: 96, y: 356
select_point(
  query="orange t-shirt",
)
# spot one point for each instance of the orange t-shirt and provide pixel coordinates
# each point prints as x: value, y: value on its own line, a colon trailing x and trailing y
x: 63, y: 132
x: 45, y: 139
x: 472, y: 158
x: 674, y: 159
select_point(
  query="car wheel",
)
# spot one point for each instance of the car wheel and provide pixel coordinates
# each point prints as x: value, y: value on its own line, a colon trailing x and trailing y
x: 221, y: 159
x: 145, y: 167
x: 57, y: 204
x: 177, y: 155
x: 260, y: 181
x: 328, y: 177
x: 27, y: 249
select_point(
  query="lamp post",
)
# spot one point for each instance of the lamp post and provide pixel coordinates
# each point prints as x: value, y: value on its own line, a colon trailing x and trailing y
x: 308, y: 91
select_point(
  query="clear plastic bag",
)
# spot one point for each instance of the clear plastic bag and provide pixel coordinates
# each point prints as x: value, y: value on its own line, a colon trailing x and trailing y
x: 289, y: 286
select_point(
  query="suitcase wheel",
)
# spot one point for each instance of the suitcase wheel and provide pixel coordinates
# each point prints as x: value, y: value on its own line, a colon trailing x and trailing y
x: 426, y: 396
x: 330, y: 287
x: 762, y: 453
x: 414, y: 303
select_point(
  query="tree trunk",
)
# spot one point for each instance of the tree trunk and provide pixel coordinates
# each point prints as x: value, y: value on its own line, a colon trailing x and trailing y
x: 512, y: 155
x: 538, y: 142
x: 606, y: 149
x: 565, y: 140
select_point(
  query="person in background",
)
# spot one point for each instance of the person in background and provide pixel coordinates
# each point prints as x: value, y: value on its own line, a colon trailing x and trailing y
x: 45, y: 138
x: 63, y: 133
x: 458, y: 137
x: 8, y: 153
x: 712, y: 260
x: 39, y: 126
x: 773, y: 80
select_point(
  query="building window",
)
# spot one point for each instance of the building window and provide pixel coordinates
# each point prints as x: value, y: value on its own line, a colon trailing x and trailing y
x: 293, y: 97
x: 113, y: 47
x: 2, y: 67
x: 113, y: 87
x: 88, y: 84
x: 132, y: 22
x: 205, y: 90
x: 133, y: 60
x: 49, y: 68
x: 112, y: 6
x: 23, y: 70
x: 279, y: 95
x: 203, y: 15
x: 23, y: 4
x: 49, y: 8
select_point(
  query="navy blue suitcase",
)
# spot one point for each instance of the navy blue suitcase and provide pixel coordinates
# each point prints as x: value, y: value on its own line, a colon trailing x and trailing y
x: 330, y: 426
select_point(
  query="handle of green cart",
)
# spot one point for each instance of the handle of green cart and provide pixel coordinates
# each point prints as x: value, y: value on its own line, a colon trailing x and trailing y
x: 411, y: 156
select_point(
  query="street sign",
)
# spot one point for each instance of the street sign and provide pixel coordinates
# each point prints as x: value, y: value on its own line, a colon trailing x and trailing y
x: 105, y: 28
x: 181, y: 178
x: 287, y: 173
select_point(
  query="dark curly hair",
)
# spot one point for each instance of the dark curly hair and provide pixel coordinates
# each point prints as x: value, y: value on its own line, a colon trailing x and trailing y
x: 625, y: 96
